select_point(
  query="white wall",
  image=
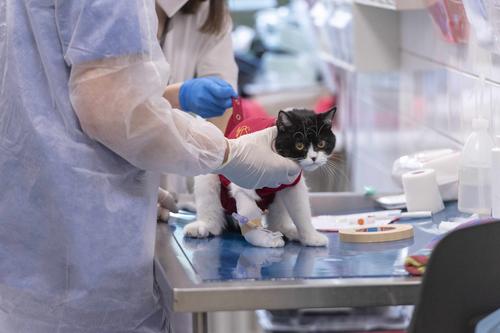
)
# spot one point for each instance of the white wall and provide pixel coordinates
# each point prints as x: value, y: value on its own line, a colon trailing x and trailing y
x: 428, y: 103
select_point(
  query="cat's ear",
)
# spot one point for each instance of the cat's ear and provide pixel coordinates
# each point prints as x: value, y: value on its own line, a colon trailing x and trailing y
x: 328, y: 115
x: 283, y: 120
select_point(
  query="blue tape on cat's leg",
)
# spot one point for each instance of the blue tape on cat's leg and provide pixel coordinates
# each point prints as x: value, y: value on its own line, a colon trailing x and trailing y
x: 240, y: 218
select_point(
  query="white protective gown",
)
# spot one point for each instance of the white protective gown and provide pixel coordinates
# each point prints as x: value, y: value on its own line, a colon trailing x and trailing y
x: 84, y: 134
x: 192, y: 53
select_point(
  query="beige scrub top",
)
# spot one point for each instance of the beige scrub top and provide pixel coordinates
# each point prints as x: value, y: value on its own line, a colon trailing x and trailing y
x: 192, y: 53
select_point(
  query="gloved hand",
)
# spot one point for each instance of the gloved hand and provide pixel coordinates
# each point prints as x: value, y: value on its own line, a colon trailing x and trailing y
x: 253, y: 164
x: 206, y: 96
x: 166, y: 204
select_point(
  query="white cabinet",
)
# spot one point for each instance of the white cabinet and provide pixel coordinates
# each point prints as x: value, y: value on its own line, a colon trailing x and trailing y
x: 357, y: 37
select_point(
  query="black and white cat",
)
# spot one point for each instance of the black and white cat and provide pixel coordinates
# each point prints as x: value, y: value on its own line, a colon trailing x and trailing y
x: 305, y: 137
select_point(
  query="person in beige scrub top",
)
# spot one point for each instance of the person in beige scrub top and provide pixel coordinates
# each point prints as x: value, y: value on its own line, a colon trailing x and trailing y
x: 195, y: 37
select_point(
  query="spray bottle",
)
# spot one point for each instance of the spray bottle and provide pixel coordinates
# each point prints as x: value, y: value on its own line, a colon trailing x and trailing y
x: 474, y: 190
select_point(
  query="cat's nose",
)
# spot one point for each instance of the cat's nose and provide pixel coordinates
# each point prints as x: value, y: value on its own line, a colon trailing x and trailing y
x: 313, y: 159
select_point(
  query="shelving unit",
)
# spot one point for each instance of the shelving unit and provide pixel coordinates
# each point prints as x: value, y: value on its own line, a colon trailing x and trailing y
x: 376, y: 39
x: 372, y: 39
x: 328, y: 58
x: 395, y: 4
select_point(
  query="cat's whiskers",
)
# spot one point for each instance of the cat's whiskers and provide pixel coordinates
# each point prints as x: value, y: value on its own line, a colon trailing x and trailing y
x: 336, y: 161
x: 339, y: 171
x: 334, y: 157
x: 333, y: 169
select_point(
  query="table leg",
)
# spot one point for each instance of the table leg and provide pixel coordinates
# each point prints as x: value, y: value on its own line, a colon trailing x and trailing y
x: 200, y: 322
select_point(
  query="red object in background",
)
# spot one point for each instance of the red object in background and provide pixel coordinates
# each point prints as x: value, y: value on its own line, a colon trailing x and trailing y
x: 324, y: 104
x: 450, y: 17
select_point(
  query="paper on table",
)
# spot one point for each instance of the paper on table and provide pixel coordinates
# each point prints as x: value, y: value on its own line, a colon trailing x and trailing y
x: 334, y: 223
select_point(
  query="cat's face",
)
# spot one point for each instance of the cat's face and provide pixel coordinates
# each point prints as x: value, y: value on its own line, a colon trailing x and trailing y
x: 305, y: 137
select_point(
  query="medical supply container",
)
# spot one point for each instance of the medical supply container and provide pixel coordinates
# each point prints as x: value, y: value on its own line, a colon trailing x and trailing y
x: 474, y: 190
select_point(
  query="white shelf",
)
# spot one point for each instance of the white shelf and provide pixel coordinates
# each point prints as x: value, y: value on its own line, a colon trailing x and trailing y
x: 369, y: 44
x: 337, y: 62
x: 394, y: 4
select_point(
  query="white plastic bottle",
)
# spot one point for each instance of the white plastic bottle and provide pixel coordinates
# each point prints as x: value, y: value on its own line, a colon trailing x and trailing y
x: 495, y: 180
x: 474, y: 189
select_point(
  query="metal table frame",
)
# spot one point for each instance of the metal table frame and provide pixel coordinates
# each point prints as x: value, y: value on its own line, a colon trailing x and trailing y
x: 184, y: 291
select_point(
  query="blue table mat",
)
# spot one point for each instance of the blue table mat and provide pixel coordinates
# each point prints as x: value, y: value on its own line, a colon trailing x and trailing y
x: 230, y: 257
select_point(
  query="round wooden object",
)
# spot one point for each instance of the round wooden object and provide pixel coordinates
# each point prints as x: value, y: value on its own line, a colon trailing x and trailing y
x: 377, y: 234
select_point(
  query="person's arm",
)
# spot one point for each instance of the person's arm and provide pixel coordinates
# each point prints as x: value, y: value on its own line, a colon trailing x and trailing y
x: 118, y: 75
x: 117, y: 78
x: 137, y: 123
x: 172, y: 94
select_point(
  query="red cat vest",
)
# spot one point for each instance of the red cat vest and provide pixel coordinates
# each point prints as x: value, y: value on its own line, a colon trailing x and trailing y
x: 237, y: 127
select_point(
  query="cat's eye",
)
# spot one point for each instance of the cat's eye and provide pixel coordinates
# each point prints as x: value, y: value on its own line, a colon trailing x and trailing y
x: 299, y: 146
x: 321, y: 144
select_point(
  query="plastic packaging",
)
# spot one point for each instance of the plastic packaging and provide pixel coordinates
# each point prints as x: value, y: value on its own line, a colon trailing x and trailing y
x: 443, y: 161
x: 477, y: 14
x: 450, y: 17
x: 484, y: 16
x: 474, y: 190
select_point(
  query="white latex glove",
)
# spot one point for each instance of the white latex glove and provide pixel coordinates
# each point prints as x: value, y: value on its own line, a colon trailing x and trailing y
x: 252, y: 163
x: 166, y: 204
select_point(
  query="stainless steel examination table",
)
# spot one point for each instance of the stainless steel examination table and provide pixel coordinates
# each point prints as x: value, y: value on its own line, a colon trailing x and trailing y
x: 226, y: 274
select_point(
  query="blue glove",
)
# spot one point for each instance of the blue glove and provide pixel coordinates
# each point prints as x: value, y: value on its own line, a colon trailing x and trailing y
x: 207, y: 96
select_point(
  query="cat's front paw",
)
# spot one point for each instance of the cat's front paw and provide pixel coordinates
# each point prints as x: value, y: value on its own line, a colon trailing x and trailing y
x: 264, y: 238
x: 314, y: 239
x: 201, y: 229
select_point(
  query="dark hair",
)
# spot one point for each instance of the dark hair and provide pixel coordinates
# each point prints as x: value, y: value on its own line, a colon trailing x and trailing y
x: 216, y: 18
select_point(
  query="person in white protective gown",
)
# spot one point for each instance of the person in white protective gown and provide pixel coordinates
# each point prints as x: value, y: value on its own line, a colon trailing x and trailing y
x: 84, y: 136
x: 195, y: 36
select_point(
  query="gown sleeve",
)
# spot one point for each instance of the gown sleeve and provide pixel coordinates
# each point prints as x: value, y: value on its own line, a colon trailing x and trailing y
x: 117, y: 78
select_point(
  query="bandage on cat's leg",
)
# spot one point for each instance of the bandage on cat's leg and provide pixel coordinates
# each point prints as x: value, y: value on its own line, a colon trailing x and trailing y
x: 256, y: 234
x: 249, y: 218
x: 264, y: 238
